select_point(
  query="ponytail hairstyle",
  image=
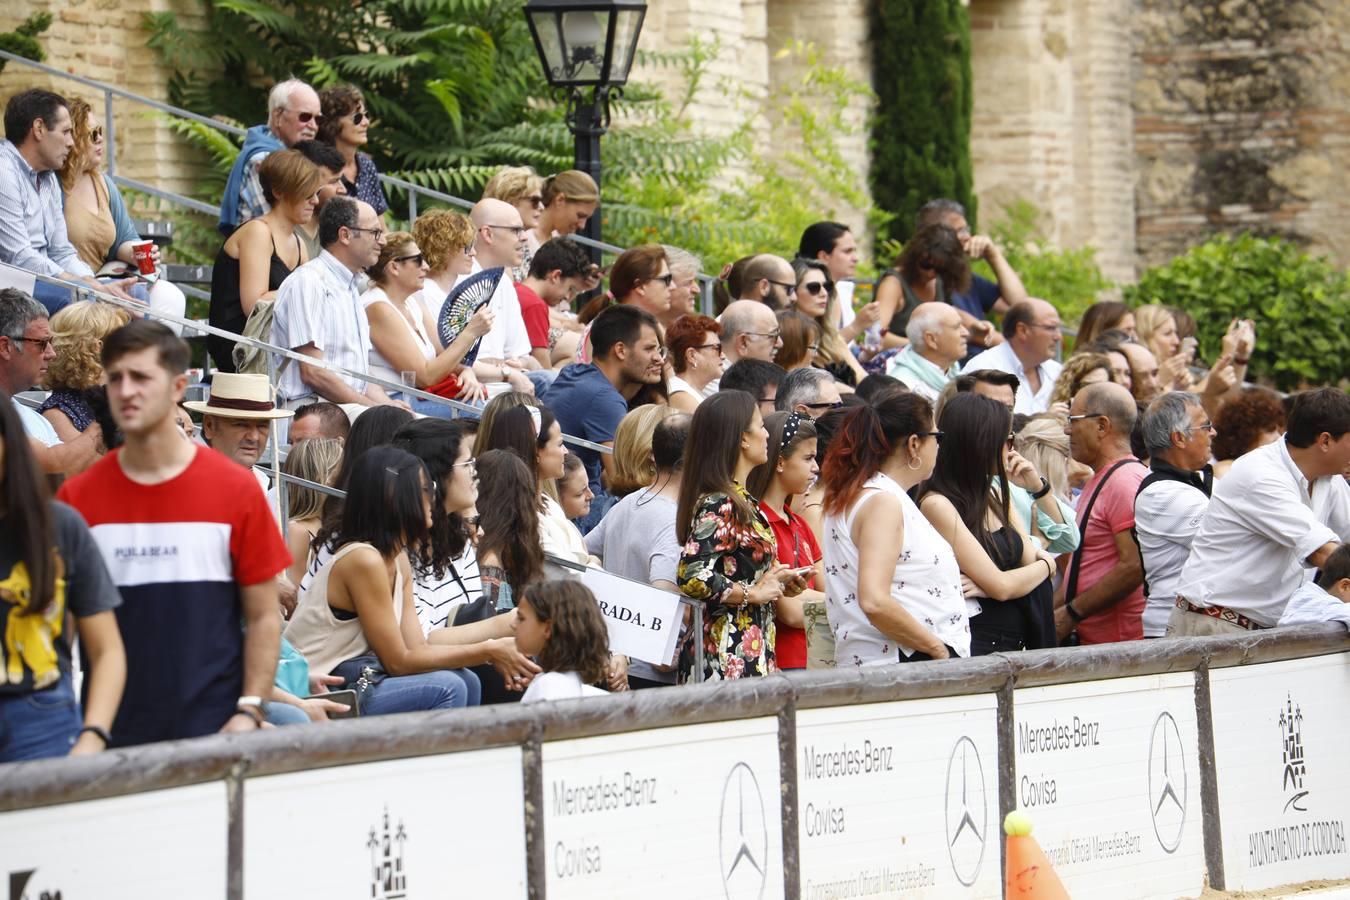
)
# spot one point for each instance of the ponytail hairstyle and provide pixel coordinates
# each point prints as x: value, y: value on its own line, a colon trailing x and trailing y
x: 508, y: 515
x: 870, y: 435
x: 578, y: 640
x: 975, y: 430
x: 776, y: 423
x: 572, y: 185
x: 715, y: 429
x: 29, y: 511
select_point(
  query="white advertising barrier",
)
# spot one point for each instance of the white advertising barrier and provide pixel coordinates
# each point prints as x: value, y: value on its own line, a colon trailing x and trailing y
x: 1109, y: 773
x: 643, y: 621
x: 433, y: 826
x: 1281, y: 731
x: 899, y: 799
x: 160, y: 845
x: 684, y: 812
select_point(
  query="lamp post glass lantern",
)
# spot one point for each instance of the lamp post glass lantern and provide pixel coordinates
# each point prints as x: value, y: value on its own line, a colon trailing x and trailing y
x: 586, y: 48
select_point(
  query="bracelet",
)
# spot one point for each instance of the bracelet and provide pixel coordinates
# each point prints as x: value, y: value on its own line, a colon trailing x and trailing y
x: 1073, y: 613
x: 1241, y: 362
x: 1045, y: 489
x: 1049, y: 565
x: 99, y: 731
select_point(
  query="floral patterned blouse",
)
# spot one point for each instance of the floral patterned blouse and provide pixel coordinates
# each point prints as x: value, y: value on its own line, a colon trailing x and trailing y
x: 720, y: 555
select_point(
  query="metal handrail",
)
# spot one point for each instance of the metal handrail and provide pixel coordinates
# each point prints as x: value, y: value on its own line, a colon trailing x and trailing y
x: 414, y: 191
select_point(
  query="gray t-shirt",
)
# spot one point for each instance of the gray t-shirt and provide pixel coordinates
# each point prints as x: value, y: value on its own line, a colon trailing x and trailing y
x: 636, y: 539
x: 37, y: 647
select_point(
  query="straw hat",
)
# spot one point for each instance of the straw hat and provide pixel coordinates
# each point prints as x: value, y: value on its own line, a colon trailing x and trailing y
x: 239, y: 396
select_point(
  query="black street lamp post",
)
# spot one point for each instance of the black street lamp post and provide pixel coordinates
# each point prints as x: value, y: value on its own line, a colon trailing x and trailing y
x: 587, y: 49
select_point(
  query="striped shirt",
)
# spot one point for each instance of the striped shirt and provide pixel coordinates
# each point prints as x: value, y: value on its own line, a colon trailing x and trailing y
x: 319, y: 304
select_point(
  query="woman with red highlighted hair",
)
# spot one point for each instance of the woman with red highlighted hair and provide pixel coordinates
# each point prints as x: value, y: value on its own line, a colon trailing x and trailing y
x: 893, y: 586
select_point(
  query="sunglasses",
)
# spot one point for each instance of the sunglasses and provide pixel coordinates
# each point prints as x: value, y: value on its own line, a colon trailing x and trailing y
x: 935, y: 435
x: 97, y: 134
x: 668, y: 279
x: 415, y: 257
x: 306, y: 117
x: 815, y: 287
x: 359, y: 116
x: 536, y: 201
x: 836, y: 405
x: 788, y: 286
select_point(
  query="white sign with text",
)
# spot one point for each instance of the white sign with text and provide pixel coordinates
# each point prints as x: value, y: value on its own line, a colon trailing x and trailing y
x: 681, y: 812
x: 1108, y: 771
x: 1280, y: 736
x: 899, y: 799
x: 160, y: 845
x: 643, y: 621
x: 430, y: 826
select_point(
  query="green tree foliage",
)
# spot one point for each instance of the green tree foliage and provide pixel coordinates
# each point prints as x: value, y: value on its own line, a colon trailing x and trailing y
x: 921, y: 132
x: 1300, y: 304
x: 22, y: 41
x: 1070, y: 279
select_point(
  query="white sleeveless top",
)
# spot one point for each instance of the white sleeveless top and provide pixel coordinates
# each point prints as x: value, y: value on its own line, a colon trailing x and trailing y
x: 926, y: 582
x: 322, y: 638
x: 412, y: 308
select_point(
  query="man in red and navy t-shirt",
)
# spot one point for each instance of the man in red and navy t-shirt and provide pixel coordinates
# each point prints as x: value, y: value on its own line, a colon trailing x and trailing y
x: 189, y: 540
x: 557, y: 271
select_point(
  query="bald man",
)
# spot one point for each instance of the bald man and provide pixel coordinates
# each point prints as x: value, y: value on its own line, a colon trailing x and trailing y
x: 1103, y: 592
x: 504, y: 352
x: 1031, y: 329
x: 770, y: 280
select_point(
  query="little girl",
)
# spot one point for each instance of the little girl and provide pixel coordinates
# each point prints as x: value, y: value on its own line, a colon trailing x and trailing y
x: 559, y: 623
x: 574, y: 491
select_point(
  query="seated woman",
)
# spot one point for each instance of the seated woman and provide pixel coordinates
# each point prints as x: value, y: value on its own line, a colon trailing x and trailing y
x: 345, y: 125
x: 78, y: 331
x: 401, y: 332
x: 357, y: 618
x: 97, y: 222
x: 570, y: 199
x: 523, y: 188
x: 800, y: 337
x: 1011, y: 577
x: 633, y: 466
x: 816, y: 299
x: 256, y: 258
x: 316, y: 460
x: 695, y: 353
x: 893, y: 585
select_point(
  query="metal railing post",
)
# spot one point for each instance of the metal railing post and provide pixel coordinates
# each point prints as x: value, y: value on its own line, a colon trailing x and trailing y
x: 110, y: 131
x: 412, y: 206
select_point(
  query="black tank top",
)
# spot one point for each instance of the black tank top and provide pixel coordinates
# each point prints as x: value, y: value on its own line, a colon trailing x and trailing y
x: 1033, y: 616
x: 226, y: 310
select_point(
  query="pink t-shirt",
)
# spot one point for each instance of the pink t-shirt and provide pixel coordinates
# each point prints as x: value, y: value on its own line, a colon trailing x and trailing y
x: 1111, y: 514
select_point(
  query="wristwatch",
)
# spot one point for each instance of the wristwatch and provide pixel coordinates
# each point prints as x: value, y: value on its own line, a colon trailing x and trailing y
x: 1045, y: 489
x: 251, y: 707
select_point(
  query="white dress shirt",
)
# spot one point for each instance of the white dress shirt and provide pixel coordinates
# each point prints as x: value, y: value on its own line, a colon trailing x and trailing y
x: 1167, y: 516
x: 1263, y: 522
x: 1311, y: 605
x: 1004, y: 359
x: 508, y: 338
x: 319, y: 304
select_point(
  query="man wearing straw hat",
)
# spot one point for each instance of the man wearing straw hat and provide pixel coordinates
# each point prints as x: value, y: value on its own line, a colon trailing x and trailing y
x: 237, y: 418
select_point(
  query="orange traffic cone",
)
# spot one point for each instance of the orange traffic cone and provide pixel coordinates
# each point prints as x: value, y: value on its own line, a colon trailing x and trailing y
x: 1029, y: 874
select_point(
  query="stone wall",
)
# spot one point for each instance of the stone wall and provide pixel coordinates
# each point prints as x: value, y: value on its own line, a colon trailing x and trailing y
x: 1051, y: 120
x: 1241, y: 122
x: 103, y: 40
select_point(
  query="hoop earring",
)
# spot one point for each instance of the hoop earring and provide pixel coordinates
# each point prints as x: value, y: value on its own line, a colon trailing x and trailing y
x: 914, y: 464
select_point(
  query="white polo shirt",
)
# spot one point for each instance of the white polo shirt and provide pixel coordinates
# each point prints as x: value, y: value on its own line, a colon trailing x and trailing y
x: 1263, y: 521
x: 1003, y: 359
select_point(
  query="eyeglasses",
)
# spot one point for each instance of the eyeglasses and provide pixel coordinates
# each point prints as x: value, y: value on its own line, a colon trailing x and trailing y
x: 771, y: 335
x: 667, y: 278
x: 835, y: 405
x: 518, y: 229
x: 1203, y: 426
x: 1087, y: 416
x: 96, y: 135
x: 378, y: 232
x: 717, y: 347
x: 935, y: 435
x: 815, y: 287
x: 415, y: 257
x: 471, y: 464
x: 42, y: 343
x: 359, y: 116
x: 306, y: 117
x: 789, y: 287
x: 1054, y: 328
x: 536, y: 201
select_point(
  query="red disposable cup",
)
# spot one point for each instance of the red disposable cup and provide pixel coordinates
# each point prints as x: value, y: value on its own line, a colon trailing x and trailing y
x: 142, y: 251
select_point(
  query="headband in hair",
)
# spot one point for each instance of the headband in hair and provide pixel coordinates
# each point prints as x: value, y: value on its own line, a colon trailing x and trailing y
x: 535, y: 419
x: 794, y: 422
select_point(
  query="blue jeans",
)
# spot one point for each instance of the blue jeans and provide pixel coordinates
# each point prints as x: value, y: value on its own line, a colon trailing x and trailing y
x: 541, y: 379
x: 39, y: 725
x: 278, y: 713
x: 432, y: 408
x: 442, y: 689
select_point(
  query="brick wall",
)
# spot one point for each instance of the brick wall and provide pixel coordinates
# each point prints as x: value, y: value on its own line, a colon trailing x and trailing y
x: 1241, y: 122
x: 102, y: 40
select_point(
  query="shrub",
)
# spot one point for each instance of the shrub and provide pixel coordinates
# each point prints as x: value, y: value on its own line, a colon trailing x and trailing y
x: 1300, y: 304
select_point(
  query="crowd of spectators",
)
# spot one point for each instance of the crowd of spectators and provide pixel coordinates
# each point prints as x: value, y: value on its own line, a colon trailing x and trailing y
x: 926, y: 483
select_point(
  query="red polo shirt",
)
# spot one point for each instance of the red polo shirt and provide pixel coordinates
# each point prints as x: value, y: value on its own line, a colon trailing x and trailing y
x: 797, y: 547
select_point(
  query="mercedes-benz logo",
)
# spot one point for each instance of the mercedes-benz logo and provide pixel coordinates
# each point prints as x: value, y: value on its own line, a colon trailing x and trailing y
x: 967, y: 811
x: 743, y: 834
x: 1167, y: 782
